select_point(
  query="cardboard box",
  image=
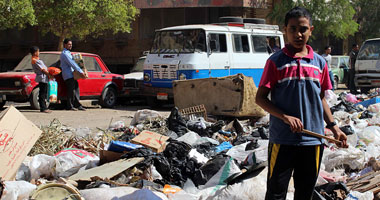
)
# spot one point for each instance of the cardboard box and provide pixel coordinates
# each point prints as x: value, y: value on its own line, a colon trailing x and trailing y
x: 79, y: 60
x: 152, y: 140
x: 17, y: 136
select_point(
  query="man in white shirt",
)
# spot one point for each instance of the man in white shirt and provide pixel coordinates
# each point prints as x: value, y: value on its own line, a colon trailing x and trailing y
x: 327, y: 57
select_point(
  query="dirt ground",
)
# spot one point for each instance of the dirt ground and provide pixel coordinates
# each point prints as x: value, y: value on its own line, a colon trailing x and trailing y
x: 93, y: 117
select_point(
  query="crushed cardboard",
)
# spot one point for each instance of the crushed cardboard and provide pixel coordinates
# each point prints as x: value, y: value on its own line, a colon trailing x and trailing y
x: 17, y: 137
x: 106, y: 171
x: 152, y: 140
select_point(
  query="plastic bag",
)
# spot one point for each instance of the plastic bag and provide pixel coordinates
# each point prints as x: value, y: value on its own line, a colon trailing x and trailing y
x: 115, y: 126
x: 198, y: 156
x: 189, y: 138
x: 223, y: 146
x: 17, y: 190
x: 23, y: 173
x: 69, y: 161
x: 355, y: 195
x: 176, y: 122
x: 42, y: 166
x: 119, y: 193
x: 229, y: 168
x: 351, y: 98
x: 370, y: 134
x: 54, y: 71
x: 331, y: 98
x: 52, y: 91
x: 239, y: 153
x: 142, y: 115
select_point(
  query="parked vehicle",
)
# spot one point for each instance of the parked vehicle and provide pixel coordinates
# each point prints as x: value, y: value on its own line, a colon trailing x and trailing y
x: 339, y: 67
x: 233, y: 46
x: 367, y: 66
x: 101, y: 84
x: 133, y: 82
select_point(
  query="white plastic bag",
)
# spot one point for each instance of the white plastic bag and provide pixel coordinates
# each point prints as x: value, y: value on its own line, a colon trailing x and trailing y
x: 116, y: 193
x: 355, y: 195
x: 375, y: 108
x: 189, y: 138
x: 351, y: 156
x: 142, y: 115
x: 198, y: 156
x: 370, y: 134
x: 17, y: 190
x: 42, y: 166
x: 69, y: 161
x: 238, y: 152
x: 331, y: 98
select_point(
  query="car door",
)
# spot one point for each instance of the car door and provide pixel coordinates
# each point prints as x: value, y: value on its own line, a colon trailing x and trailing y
x: 94, y: 84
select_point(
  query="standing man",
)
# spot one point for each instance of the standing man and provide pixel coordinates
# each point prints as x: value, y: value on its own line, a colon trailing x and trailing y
x: 42, y: 77
x: 351, y: 81
x: 297, y: 79
x: 327, y: 57
x: 68, y: 66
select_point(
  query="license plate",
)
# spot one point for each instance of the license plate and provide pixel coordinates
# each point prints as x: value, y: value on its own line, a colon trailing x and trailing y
x: 162, y: 96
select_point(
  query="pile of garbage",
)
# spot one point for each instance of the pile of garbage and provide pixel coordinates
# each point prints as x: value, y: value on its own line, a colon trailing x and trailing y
x: 191, y: 158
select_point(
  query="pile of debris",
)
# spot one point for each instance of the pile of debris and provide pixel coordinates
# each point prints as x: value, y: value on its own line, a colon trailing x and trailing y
x: 184, y: 157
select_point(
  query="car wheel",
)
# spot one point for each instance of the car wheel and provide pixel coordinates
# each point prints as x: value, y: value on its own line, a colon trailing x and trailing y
x: 336, y: 82
x: 108, y: 98
x: 33, y: 100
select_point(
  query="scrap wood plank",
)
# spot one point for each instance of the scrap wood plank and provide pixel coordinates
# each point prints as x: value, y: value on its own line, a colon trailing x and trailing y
x: 105, y: 171
x: 373, y: 185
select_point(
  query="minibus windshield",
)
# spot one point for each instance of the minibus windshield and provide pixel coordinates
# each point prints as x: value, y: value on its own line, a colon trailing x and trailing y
x: 179, y: 41
x: 370, y: 50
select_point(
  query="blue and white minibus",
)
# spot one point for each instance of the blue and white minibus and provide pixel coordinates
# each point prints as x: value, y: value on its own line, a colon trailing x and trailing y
x: 203, y: 51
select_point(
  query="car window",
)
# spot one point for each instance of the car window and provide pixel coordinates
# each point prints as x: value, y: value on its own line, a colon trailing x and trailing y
x: 240, y: 43
x: 139, y: 66
x: 91, y: 64
x: 50, y: 60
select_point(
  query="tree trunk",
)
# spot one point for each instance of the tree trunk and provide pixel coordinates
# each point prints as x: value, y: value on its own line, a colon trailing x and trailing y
x: 60, y: 42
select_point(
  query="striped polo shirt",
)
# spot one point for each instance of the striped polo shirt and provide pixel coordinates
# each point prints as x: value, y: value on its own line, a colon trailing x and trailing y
x: 296, y: 84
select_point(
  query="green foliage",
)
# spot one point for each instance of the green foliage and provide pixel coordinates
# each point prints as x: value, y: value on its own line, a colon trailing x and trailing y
x: 79, y: 18
x: 333, y: 17
x: 16, y: 13
x: 368, y: 17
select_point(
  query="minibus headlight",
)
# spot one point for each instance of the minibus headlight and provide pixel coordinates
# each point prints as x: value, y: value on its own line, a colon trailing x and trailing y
x: 146, y: 77
x: 182, y: 76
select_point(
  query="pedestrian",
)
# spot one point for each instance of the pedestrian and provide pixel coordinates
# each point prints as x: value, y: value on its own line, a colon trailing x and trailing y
x: 351, y: 82
x: 42, y: 77
x: 68, y: 66
x: 327, y: 57
x: 297, y: 79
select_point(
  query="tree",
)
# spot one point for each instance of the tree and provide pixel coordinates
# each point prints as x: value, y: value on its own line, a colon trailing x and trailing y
x: 367, y: 15
x: 16, y: 13
x: 79, y: 18
x: 333, y: 17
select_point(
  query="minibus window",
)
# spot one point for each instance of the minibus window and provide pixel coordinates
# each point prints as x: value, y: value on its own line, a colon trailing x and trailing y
x: 220, y: 43
x: 370, y: 50
x: 240, y: 43
x: 259, y: 43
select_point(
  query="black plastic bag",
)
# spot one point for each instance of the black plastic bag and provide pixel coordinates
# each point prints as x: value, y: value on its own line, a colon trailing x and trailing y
x: 208, y: 170
x: 177, y: 123
x: 348, y: 130
x: 327, y: 191
x: 207, y: 149
x: 147, y: 154
x: 366, y: 115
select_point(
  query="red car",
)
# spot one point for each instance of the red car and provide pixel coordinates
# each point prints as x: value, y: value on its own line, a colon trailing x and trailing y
x: 19, y: 85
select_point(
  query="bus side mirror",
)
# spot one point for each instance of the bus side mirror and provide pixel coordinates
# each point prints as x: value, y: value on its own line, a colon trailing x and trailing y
x: 213, y: 45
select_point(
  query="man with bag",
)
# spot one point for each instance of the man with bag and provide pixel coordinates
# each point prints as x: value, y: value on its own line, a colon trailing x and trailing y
x: 68, y: 66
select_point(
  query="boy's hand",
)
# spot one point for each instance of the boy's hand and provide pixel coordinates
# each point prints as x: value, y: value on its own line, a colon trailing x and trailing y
x: 294, y: 123
x: 340, y: 135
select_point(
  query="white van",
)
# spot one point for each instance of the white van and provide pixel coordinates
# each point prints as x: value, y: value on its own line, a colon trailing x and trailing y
x: 367, y: 66
x: 203, y: 51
